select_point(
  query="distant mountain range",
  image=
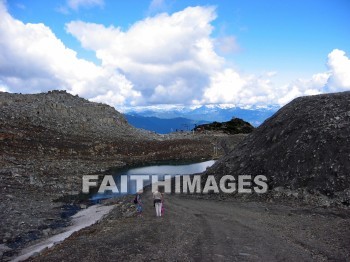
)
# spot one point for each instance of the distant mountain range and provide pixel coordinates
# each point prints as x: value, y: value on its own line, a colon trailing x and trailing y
x: 162, y: 126
x: 166, y: 119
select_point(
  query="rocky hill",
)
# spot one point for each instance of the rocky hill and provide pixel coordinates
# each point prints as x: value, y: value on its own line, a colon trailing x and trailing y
x: 234, y: 126
x: 48, y: 141
x: 303, y: 149
x: 56, y: 134
x: 68, y: 114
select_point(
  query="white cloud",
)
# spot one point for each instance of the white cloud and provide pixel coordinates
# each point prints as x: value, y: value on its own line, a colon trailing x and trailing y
x: 161, y: 59
x: 303, y: 87
x: 336, y: 79
x: 32, y: 59
x: 3, y: 88
x: 230, y: 87
x: 339, y: 66
x: 158, y: 52
x: 172, y: 59
x: 224, y: 87
x: 166, y: 95
x: 76, y: 4
x: 271, y: 73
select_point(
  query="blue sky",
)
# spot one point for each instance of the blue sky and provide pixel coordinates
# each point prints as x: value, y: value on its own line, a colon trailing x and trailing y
x: 251, y: 52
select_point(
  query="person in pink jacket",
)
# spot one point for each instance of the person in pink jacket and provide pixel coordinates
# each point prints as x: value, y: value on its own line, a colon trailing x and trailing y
x: 157, y: 200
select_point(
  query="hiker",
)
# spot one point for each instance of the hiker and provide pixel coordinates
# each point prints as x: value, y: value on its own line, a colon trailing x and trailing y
x: 162, y: 209
x: 138, y: 203
x: 157, y: 196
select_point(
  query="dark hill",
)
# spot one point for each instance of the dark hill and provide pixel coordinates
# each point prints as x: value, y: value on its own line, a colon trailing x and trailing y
x: 234, y: 126
x: 305, y: 145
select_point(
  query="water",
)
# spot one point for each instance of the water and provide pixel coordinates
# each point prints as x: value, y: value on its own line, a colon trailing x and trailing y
x: 94, y: 213
x: 159, y: 170
x: 80, y: 220
x: 171, y: 169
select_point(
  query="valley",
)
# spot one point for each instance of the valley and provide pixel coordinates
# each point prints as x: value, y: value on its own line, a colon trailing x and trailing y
x: 50, y: 141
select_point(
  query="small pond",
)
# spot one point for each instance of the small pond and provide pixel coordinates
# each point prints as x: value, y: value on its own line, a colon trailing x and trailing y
x: 158, y: 170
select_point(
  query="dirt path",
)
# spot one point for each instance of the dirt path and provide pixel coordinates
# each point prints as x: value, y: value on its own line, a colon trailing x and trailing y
x: 209, y: 230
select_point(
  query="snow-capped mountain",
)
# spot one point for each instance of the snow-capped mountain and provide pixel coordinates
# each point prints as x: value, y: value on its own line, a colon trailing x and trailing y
x: 161, y: 125
x: 204, y: 113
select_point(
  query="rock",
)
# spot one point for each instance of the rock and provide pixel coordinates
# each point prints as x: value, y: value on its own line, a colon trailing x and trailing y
x: 295, y: 194
x: 244, y: 254
x: 63, y: 111
x: 4, y: 248
x: 309, y: 151
x: 46, y: 232
x: 129, y: 213
x: 50, y: 140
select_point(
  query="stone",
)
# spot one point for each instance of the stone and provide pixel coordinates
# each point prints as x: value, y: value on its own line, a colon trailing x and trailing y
x: 3, y: 249
x: 290, y: 160
x: 46, y: 232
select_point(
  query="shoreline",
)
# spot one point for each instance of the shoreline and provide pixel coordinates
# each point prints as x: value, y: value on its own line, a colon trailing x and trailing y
x: 80, y: 220
x: 59, y: 208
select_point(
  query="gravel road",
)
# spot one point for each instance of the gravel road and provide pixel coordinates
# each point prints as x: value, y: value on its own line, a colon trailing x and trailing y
x: 211, y: 230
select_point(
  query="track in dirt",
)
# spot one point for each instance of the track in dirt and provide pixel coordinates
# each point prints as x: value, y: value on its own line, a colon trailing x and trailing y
x: 209, y: 230
x: 246, y: 231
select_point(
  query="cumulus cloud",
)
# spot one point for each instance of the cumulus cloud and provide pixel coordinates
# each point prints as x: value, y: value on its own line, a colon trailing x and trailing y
x: 164, y: 59
x: 339, y: 66
x: 317, y: 84
x: 336, y: 79
x: 173, y: 59
x: 158, y: 53
x: 32, y: 59
x: 231, y: 87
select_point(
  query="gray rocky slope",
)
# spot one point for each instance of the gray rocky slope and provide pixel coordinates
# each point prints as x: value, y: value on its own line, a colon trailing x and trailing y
x: 48, y: 141
x: 304, y: 147
x: 70, y: 115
